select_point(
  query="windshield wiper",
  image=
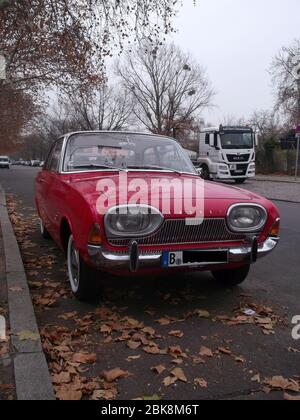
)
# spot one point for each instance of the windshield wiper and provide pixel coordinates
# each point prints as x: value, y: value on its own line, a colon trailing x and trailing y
x: 154, y: 167
x: 95, y: 166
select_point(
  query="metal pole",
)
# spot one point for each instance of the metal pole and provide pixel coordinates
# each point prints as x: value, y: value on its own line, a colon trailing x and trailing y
x: 297, y: 157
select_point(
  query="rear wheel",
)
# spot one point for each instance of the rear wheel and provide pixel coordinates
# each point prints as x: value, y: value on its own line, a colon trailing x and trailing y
x: 240, y: 181
x: 84, y: 280
x: 232, y: 277
x: 44, y: 232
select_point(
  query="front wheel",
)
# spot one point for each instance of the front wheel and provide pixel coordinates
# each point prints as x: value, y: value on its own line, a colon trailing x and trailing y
x: 83, y: 279
x: 232, y: 277
x: 205, y: 172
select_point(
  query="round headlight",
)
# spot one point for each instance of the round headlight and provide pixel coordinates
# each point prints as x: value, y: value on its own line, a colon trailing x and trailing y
x: 246, y: 218
x: 132, y: 221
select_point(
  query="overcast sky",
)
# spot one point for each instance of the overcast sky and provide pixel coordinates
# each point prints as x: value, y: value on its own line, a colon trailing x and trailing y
x: 236, y: 40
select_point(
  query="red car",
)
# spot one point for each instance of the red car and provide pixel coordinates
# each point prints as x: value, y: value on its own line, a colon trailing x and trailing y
x: 123, y: 203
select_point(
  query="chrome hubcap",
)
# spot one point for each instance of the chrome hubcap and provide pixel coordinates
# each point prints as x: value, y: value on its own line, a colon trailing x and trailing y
x: 73, y: 265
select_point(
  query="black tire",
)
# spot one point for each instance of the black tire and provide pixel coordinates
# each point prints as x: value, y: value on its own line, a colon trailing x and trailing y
x: 84, y: 280
x: 205, y: 173
x: 44, y: 232
x: 240, y: 181
x: 232, y: 277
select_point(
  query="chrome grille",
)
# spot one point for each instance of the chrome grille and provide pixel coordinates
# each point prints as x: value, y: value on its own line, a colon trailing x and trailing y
x: 178, y: 232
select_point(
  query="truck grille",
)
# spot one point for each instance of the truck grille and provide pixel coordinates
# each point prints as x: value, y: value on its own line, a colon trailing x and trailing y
x: 178, y: 232
x: 241, y: 170
x: 238, y: 158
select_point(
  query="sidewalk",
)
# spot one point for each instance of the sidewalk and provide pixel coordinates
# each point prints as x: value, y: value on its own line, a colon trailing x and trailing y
x: 274, y: 188
x: 278, y: 178
x: 27, y: 363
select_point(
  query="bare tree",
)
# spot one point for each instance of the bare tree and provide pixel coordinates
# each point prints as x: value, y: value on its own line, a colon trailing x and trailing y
x: 287, y: 91
x: 104, y: 108
x: 168, y: 88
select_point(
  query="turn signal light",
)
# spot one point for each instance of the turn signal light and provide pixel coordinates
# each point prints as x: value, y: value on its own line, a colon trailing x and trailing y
x: 274, y: 232
x: 95, y: 237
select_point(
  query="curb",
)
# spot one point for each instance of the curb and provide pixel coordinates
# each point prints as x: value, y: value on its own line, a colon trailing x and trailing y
x: 282, y: 181
x: 32, y: 377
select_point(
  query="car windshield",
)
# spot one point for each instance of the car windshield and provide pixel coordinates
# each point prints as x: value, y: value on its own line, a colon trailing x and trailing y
x: 4, y: 159
x: 122, y: 151
x: 237, y: 140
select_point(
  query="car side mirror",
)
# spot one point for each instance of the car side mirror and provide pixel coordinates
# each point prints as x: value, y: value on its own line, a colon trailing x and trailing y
x: 256, y: 140
x: 199, y: 172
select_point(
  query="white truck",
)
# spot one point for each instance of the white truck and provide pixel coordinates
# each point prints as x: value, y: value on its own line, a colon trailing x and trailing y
x: 227, y: 153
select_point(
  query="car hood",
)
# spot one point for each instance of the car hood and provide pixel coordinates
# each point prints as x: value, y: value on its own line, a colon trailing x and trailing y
x: 217, y: 197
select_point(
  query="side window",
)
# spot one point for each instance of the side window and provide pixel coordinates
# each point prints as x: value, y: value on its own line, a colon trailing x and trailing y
x: 49, y: 157
x: 55, y: 156
x: 207, y: 138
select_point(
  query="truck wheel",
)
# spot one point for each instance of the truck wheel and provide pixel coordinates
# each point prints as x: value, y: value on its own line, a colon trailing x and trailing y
x: 232, y: 277
x: 44, y: 232
x: 240, y: 181
x: 83, y: 279
x: 205, y: 172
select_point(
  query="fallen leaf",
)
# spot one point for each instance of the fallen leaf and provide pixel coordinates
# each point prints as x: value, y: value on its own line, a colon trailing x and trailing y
x: 288, y: 397
x: 223, y: 350
x: 131, y: 358
x: 205, y: 352
x: 112, y: 375
x: 84, y: 358
x: 68, y: 393
x: 154, y: 397
x: 133, y: 345
x: 169, y: 380
x: 256, y: 378
x: 61, y: 378
x: 178, y: 334
x: 67, y: 316
x: 201, y: 382
x: 202, y: 313
x: 278, y: 382
x: 149, y: 330
x: 163, y: 321
x: 159, y: 369
x: 28, y: 335
x: 179, y: 374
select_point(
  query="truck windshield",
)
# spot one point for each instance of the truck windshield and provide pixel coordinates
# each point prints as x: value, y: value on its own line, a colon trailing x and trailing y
x: 237, y: 140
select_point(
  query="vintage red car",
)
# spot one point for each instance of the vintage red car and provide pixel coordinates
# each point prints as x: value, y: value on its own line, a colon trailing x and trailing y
x: 123, y: 203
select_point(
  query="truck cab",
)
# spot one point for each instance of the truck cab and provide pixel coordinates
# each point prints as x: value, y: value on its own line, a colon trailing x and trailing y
x: 227, y: 153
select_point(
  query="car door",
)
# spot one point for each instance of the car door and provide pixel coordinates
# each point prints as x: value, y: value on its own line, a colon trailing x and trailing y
x: 49, y: 184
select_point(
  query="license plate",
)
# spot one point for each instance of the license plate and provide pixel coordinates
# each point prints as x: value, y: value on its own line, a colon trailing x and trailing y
x: 194, y: 258
x: 233, y: 167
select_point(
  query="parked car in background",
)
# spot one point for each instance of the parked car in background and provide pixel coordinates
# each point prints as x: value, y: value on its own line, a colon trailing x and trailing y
x: 4, y: 162
x: 107, y: 230
x: 42, y: 163
x: 35, y: 163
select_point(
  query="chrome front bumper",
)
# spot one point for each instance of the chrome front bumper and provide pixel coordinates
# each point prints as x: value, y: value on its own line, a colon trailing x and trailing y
x: 104, y: 259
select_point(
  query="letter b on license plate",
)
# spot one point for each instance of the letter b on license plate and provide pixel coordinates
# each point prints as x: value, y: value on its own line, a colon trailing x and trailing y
x: 172, y: 259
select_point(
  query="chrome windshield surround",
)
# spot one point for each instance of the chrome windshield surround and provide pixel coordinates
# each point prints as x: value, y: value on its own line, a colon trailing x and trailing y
x: 156, y: 222
x: 67, y: 137
x: 255, y: 229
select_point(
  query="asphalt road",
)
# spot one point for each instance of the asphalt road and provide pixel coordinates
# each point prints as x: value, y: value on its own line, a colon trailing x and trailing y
x: 273, y: 282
